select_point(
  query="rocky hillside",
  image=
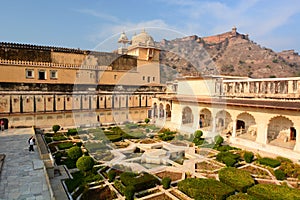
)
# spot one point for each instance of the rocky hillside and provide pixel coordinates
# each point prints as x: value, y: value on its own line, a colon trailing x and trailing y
x: 229, y: 53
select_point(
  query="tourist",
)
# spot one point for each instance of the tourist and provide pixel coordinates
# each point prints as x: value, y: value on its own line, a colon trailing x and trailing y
x: 2, y: 125
x: 31, y: 143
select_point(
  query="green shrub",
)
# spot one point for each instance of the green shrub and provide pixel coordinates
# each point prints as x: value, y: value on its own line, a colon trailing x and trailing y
x: 129, y: 192
x: 75, y: 152
x: 119, y: 186
x: 85, y: 163
x: 218, y: 140
x: 226, y: 148
x: 111, y: 175
x: 205, y: 188
x: 48, y: 139
x: 166, y: 182
x: 59, y: 138
x: 241, y: 196
x: 139, y: 182
x: 72, y: 131
x: 228, y: 158
x: 248, y: 156
x: 280, y: 175
x: 71, y: 164
x: 55, y: 128
x: 236, y: 178
x: 65, y: 145
x: 229, y: 162
x: 269, y: 162
x: 147, y: 120
x: 270, y: 192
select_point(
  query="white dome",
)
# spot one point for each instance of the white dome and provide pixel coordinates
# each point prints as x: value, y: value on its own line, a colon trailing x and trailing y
x: 142, y: 39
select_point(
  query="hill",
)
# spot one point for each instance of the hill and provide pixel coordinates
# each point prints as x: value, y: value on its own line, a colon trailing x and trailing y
x: 229, y: 53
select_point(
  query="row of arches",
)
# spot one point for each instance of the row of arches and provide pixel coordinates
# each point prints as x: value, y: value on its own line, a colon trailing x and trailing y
x: 280, y: 129
x: 161, y: 111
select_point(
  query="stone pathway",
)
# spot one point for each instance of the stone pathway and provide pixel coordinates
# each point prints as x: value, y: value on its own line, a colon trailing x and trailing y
x: 22, y: 175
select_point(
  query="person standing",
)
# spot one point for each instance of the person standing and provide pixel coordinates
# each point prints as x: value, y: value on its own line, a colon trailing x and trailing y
x: 31, y: 143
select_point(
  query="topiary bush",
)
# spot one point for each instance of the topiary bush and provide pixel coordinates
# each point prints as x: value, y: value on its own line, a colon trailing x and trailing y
x: 166, y: 182
x: 270, y: 192
x: 228, y: 158
x: 85, y: 163
x: 55, y: 128
x: 197, y: 137
x: 248, y: 156
x: 72, y: 131
x: 205, y: 189
x: 129, y: 192
x: 279, y: 174
x: 147, y: 120
x: 269, y: 162
x: 75, y: 152
x: 111, y: 175
x: 218, y: 140
x: 236, y: 178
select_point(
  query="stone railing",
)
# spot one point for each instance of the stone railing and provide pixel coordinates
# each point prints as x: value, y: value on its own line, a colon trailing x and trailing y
x: 268, y: 87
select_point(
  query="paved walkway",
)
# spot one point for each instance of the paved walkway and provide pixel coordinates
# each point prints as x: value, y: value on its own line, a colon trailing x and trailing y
x: 22, y: 175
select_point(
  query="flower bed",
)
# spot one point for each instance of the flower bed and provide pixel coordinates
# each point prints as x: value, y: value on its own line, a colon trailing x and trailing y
x: 257, y: 172
x: 175, y: 176
x: 205, y: 166
x: 102, y: 193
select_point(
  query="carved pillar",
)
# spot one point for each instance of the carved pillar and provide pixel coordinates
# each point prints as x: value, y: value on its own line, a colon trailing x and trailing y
x: 290, y: 88
x: 234, y: 128
x: 262, y: 133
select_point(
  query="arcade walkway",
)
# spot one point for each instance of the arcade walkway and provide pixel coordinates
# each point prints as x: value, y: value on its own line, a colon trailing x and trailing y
x: 22, y: 175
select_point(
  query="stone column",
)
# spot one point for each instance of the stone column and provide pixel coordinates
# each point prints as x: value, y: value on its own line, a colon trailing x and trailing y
x: 290, y: 88
x: 297, y: 145
x: 234, y: 128
x: 262, y: 132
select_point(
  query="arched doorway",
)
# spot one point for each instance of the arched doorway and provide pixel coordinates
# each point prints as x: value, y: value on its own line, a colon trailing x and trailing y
x: 281, y: 132
x: 4, y: 123
x: 187, y: 116
x: 224, y: 121
x: 246, y: 126
x: 161, y: 110
x: 205, y: 118
x: 168, y: 111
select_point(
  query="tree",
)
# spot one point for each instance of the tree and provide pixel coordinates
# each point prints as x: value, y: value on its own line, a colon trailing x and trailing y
x: 85, y: 163
x: 166, y: 182
x: 55, y: 128
x: 74, y: 153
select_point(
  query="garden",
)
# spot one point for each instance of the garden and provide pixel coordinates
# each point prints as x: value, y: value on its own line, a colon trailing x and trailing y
x: 231, y: 173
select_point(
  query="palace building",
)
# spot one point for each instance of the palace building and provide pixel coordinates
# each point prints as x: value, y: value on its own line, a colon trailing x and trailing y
x: 43, y: 85
x: 262, y: 114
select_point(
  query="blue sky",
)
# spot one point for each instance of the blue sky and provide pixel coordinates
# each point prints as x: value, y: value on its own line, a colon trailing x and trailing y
x: 86, y: 24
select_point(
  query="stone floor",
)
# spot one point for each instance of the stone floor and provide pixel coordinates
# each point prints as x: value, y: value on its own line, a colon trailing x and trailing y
x: 22, y: 175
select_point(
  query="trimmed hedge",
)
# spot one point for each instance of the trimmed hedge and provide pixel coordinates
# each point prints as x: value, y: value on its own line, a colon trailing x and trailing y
x: 205, y: 189
x: 228, y: 158
x: 269, y: 162
x: 241, y: 196
x: 65, y: 145
x: 279, y: 174
x: 166, y: 182
x: 85, y: 163
x: 139, y: 182
x: 236, y: 178
x: 248, y: 156
x: 270, y: 192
